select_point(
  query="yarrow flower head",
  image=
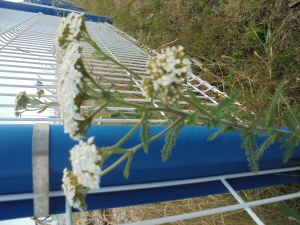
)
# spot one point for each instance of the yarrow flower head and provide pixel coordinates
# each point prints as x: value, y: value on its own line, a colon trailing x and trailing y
x: 85, y: 161
x: 70, y: 30
x: 21, y: 101
x: 74, y: 192
x: 167, y: 71
x: 70, y: 94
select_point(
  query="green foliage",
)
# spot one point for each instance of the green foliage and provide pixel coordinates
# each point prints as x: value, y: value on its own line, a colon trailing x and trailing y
x: 145, y: 133
x: 170, y: 140
x: 223, y: 110
x: 192, y: 119
x: 250, y: 145
x: 42, y: 109
x: 223, y: 129
x: 275, y: 137
x: 130, y: 83
x: 290, y: 143
x: 290, y: 212
x: 196, y: 101
x: 117, y: 114
x: 118, y: 95
x: 128, y: 164
x: 270, y: 113
x: 98, y: 55
x: 40, y: 93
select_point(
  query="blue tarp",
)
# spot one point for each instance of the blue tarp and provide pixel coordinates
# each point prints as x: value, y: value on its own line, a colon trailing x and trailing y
x: 48, y: 10
x: 59, y: 4
x: 192, y: 157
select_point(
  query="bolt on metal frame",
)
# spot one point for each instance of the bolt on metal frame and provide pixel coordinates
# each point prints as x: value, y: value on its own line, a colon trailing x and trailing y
x: 27, y: 54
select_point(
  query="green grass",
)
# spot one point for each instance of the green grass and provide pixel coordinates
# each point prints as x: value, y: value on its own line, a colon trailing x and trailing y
x: 249, y: 45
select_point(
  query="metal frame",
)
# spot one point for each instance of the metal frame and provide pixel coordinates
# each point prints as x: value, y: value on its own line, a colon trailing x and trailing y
x: 15, y: 42
x: 221, y: 178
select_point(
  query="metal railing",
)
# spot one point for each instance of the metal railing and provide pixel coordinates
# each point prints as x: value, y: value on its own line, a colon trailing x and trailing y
x: 28, y: 61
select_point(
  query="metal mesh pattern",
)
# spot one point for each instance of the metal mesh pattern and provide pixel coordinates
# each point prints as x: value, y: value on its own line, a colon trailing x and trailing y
x: 28, y: 61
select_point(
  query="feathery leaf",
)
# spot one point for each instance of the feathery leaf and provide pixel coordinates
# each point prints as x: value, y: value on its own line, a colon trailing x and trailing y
x: 250, y: 145
x: 196, y: 101
x: 145, y: 133
x: 267, y: 143
x: 216, y: 134
x: 290, y: 143
x: 223, y: 108
x: 170, y: 140
x: 290, y: 212
x: 269, y: 116
x: 192, y: 119
x: 128, y: 164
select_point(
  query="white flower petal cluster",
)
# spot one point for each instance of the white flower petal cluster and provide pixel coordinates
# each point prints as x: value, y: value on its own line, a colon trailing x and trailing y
x: 70, y: 187
x: 69, y: 30
x: 84, y: 159
x: 68, y: 89
x: 167, y: 71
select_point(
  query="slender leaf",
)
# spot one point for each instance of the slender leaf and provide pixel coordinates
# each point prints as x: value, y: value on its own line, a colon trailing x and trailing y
x: 290, y: 143
x: 216, y: 134
x: 145, y: 133
x: 266, y: 144
x: 289, y: 123
x: 118, y: 95
x: 170, y: 140
x: 192, y: 119
x: 42, y: 109
x: 224, y: 106
x: 290, y: 212
x: 250, y: 145
x: 269, y: 116
x: 196, y: 101
x: 296, y: 120
x: 99, y: 55
x: 128, y: 164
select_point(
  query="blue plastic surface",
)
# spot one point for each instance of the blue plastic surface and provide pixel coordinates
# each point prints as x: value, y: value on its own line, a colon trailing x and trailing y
x: 49, y: 11
x: 192, y: 157
x: 59, y: 4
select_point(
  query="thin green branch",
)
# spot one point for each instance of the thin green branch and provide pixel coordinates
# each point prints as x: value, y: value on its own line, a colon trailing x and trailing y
x: 117, y: 145
x: 95, y: 46
x: 139, y: 146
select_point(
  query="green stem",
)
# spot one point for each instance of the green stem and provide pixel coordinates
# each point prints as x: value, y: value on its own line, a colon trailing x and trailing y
x: 139, y: 146
x: 91, y: 90
x: 95, y: 46
x: 98, y: 110
x: 117, y: 145
x: 93, y: 82
x: 202, y: 111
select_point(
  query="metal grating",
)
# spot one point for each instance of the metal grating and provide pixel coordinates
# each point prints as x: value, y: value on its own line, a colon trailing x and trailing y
x: 27, y: 53
x: 28, y: 61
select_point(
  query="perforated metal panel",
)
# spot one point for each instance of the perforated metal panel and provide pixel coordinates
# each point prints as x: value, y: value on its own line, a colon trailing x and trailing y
x: 27, y: 54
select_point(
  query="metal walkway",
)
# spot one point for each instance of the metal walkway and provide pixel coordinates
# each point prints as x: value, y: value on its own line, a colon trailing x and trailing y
x: 29, y: 61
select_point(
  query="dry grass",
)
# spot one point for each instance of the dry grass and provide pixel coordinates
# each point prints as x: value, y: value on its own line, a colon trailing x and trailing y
x: 226, y: 36
x: 270, y: 214
x: 245, y: 45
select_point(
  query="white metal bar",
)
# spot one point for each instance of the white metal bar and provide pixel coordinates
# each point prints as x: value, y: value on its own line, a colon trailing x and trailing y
x: 25, y: 196
x: 207, y: 212
x: 68, y: 213
x: 94, y: 120
x: 240, y: 200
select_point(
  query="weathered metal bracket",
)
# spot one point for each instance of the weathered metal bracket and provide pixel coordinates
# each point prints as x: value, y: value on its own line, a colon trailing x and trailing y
x: 40, y: 169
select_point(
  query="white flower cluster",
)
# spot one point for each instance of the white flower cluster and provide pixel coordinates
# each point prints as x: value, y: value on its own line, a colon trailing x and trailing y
x: 84, y: 159
x: 70, y: 187
x: 69, y: 30
x: 68, y: 89
x: 167, y: 71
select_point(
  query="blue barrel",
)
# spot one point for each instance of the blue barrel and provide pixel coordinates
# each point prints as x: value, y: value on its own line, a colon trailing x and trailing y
x: 192, y: 157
